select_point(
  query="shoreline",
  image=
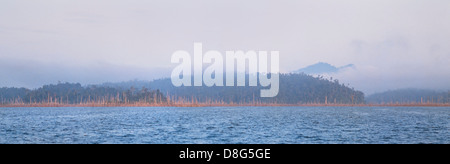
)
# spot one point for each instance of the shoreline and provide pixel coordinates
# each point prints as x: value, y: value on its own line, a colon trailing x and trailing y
x: 219, y: 105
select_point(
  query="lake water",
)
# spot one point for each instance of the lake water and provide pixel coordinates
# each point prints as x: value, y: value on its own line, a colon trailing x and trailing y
x: 252, y: 125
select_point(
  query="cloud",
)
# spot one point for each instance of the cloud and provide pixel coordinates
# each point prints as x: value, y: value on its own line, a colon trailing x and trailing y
x: 398, y: 63
x: 385, y: 39
x: 33, y: 74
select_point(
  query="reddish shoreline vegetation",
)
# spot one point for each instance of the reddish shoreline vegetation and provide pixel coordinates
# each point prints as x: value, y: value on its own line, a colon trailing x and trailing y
x: 228, y: 105
x: 195, y: 104
x: 295, y: 90
x: 216, y: 104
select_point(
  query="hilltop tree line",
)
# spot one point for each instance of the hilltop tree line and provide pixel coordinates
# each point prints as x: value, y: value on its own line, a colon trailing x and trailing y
x: 293, y: 89
x: 68, y: 93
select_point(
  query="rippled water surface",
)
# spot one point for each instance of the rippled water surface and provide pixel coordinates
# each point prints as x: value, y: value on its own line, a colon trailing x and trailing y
x: 226, y: 125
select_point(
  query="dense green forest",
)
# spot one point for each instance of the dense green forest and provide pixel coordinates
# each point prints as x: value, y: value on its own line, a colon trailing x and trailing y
x: 294, y: 89
x: 410, y: 96
x: 12, y: 95
x: 68, y: 93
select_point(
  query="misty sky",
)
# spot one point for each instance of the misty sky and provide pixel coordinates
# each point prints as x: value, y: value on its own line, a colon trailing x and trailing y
x: 392, y: 43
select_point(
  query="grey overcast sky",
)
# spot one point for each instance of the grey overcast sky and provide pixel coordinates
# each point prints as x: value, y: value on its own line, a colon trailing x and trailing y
x: 393, y: 43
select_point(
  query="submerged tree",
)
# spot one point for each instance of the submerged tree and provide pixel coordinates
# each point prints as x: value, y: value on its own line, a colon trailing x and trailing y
x: 68, y: 93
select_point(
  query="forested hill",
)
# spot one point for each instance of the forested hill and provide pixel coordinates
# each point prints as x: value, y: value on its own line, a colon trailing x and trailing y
x: 294, y: 89
x: 68, y: 93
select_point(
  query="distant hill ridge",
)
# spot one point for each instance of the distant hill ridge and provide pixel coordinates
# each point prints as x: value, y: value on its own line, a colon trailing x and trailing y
x: 322, y: 68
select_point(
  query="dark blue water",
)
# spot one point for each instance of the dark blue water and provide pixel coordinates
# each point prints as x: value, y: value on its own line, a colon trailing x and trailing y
x: 226, y: 125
